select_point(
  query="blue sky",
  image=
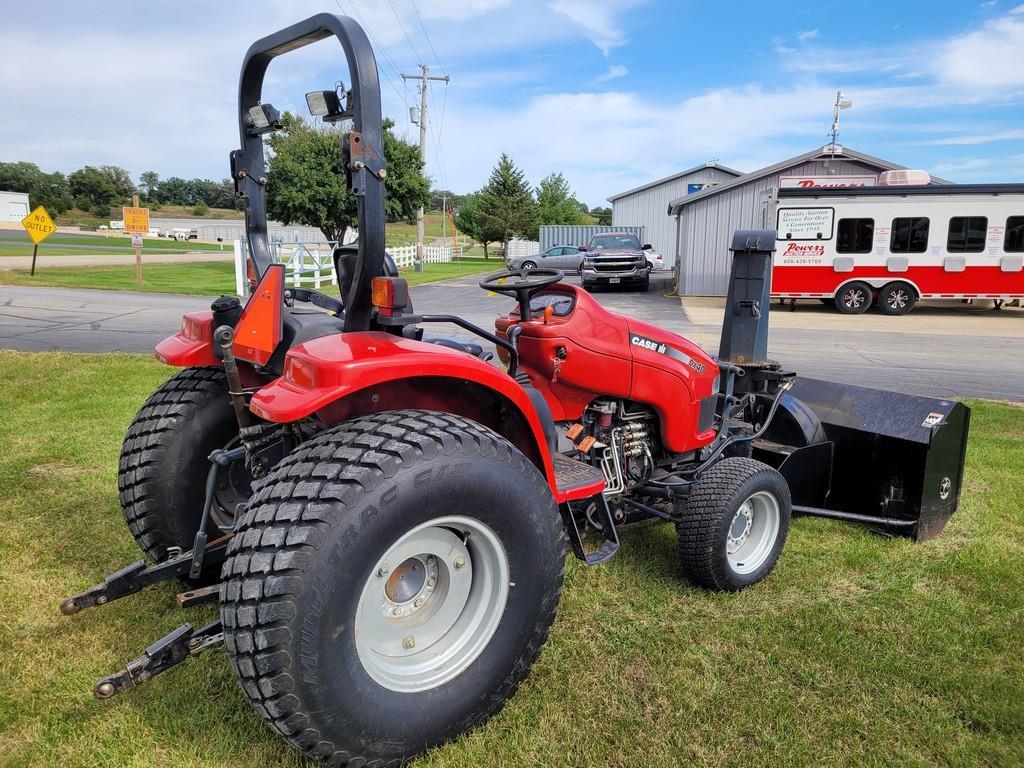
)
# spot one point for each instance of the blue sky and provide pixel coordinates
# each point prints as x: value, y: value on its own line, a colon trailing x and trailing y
x: 613, y: 93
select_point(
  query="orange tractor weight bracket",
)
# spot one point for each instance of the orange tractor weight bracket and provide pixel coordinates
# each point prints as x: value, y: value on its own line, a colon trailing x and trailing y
x: 381, y: 515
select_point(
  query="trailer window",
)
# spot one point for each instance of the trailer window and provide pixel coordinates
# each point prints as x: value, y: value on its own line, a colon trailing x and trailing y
x: 1013, y: 242
x: 967, y: 234
x: 855, y: 235
x: 909, y: 235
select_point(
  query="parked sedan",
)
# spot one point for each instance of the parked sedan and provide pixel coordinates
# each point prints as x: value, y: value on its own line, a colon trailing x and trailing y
x: 654, y: 259
x: 564, y: 257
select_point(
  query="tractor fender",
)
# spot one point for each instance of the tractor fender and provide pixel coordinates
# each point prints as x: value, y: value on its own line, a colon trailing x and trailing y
x: 340, y: 376
x: 192, y: 346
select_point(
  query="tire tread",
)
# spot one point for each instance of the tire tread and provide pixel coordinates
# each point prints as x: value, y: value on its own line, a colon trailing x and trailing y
x: 288, y: 519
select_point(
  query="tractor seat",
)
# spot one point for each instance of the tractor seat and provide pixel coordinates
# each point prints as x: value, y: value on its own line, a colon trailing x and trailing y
x: 469, y: 347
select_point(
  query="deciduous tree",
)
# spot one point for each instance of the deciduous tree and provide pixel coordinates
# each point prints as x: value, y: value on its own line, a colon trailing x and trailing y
x: 47, y: 189
x: 306, y: 180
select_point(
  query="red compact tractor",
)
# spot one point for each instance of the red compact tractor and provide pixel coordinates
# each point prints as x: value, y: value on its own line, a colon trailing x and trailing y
x: 382, y: 516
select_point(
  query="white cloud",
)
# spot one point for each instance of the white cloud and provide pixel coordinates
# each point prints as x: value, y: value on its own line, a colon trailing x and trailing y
x: 614, y: 71
x: 984, y: 138
x: 597, y: 19
x: 991, y: 57
x: 1017, y: 10
x: 809, y: 34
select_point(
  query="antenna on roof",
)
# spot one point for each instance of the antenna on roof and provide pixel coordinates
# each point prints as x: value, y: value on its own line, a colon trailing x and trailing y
x: 841, y: 104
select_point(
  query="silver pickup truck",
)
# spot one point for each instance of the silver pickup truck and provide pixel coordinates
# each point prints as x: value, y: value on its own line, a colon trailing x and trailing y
x: 615, y: 258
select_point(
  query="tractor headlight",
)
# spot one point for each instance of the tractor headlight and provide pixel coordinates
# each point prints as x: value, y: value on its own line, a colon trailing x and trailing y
x: 325, y: 104
x: 263, y: 118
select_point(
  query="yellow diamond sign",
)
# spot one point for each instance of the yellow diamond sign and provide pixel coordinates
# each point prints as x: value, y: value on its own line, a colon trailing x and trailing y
x: 39, y: 225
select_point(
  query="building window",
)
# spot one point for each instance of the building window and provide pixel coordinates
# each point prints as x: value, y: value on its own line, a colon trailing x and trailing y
x: 967, y: 234
x: 1014, y: 240
x: 855, y: 235
x: 909, y: 235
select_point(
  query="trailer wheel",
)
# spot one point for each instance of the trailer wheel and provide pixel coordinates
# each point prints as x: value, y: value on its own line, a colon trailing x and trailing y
x: 896, y: 299
x: 734, y: 524
x: 391, y: 585
x: 854, y: 298
x: 163, y: 466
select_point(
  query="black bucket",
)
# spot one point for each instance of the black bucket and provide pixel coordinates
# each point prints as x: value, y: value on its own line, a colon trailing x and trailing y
x: 886, y: 459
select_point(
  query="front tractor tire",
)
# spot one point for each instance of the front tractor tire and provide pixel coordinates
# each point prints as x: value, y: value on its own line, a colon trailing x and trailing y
x: 391, y: 585
x: 164, y: 462
x: 734, y: 524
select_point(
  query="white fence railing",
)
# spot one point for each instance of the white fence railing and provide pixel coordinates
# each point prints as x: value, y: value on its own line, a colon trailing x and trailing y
x: 518, y: 248
x: 405, y: 255
x: 311, y: 264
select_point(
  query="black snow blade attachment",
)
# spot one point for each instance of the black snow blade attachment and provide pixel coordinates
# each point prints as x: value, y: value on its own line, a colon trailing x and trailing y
x: 890, y: 460
x: 167, y: 652
x: 136, y: 577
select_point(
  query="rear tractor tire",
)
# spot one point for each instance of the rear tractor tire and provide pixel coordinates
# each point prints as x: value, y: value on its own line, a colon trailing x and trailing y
x: 391, y: 585
x: 164, y: 462
x: 854, y: 298
x: 734, y: 524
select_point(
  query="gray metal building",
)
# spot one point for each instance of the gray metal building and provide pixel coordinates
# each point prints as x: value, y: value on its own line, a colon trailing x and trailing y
x: 702, y: 223
x: 645, y: 206
x: 580, y: 234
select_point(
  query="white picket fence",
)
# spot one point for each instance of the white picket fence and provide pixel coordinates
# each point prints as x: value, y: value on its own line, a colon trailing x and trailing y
x: 517, y: 248
x: 405, y: 256
x: 311, y: 264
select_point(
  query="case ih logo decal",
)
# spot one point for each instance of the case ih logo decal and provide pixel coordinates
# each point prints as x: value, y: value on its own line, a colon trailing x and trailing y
x: 664, y: 349
x: 651, y: 344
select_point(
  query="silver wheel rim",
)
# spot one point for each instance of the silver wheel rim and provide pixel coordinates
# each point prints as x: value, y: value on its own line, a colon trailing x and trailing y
x: 854, y: 298
x: 431, y: 604
x: 898, y: 299
x: 752, y: 532
x: 528, y: 265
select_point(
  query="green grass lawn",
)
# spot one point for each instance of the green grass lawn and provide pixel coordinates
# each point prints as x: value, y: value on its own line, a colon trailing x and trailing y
x: 858, y: 650
x: 200, y: 278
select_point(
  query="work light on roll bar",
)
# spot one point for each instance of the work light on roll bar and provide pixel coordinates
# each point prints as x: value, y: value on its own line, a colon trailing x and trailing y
x: 326, y: 104
x: 263, y: 118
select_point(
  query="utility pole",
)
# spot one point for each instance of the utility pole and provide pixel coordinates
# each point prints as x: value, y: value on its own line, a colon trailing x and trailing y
x: 423, y: 77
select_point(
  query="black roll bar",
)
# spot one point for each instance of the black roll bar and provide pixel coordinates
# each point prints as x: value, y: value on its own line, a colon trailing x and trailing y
x: 365, y: 169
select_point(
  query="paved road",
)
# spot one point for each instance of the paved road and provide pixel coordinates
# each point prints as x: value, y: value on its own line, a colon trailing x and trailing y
x: 949, y: 365
x: 92, y: 259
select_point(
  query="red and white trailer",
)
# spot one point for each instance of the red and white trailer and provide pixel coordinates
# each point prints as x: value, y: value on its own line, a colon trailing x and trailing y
x: 893, y: 245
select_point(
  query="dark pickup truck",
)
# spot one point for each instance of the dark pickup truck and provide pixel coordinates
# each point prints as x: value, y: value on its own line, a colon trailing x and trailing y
x: 615, y: 258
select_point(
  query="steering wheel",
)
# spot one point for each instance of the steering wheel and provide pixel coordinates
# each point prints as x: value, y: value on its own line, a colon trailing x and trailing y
x: 521, y: 284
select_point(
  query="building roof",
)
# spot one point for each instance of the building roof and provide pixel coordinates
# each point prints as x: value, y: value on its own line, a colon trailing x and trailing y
x: 815, y: 154
x: 906, y: 190
x: 674, y: 176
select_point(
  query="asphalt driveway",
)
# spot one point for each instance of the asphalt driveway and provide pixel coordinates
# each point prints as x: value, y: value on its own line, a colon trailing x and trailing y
x: 908, y: 354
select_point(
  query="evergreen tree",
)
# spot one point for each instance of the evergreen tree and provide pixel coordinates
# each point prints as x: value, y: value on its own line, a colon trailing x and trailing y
x: 507, y: 206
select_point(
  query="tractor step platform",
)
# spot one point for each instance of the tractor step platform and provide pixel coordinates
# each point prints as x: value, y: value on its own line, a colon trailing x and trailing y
x: 574, y: 479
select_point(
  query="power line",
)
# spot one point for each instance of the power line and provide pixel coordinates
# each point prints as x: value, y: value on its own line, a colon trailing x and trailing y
x: 355, y: 14
x: 401, y: 26
x: 425, y: 33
